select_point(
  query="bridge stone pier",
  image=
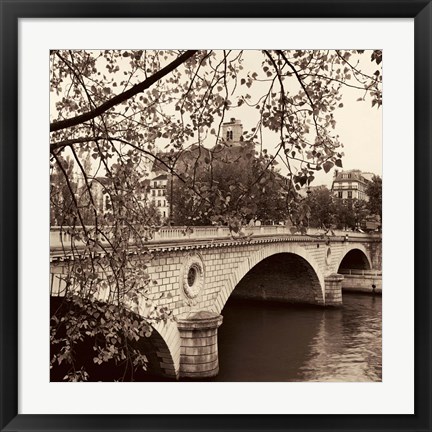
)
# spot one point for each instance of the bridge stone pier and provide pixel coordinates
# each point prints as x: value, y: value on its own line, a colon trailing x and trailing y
x: 200, y: 271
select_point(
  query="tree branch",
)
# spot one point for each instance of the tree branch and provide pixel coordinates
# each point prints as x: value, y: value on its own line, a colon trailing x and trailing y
x: 138, y: 88
x: 69, y: 142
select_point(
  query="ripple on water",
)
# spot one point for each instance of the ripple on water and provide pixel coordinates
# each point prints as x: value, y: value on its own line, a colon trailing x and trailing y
x: 261, y: 341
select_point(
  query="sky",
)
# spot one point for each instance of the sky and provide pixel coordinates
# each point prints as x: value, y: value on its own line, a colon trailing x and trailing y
x: 360, y: 129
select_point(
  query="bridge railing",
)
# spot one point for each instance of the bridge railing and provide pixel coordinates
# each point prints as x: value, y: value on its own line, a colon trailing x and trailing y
x: 199, y: 232
x: 61, y: 236
x: 360, y: 272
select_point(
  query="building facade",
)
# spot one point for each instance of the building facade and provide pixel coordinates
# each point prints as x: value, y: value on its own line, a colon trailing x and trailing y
x: 158, y: 194
x: 350, y: 184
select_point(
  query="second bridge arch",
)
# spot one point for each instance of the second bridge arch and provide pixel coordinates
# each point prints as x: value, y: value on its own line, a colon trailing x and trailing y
x: 285, y: 277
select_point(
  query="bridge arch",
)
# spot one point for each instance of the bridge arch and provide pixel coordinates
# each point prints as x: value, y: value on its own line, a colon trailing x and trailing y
x: 164, y: 344
x: 354, y: 257
x: 162, y: 349
x: 262, y: 254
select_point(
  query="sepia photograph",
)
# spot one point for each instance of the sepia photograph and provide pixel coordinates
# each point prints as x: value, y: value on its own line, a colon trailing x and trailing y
x: 215, y: 215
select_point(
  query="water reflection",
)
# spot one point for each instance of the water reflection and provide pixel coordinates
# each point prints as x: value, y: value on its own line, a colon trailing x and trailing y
x: 261, y: 341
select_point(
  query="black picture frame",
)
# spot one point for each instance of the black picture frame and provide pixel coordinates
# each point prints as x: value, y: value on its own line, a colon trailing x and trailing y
x: 12, y: 11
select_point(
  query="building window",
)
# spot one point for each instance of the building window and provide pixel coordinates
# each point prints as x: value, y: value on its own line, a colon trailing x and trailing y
x: 349, y: 194
x: 229, y: 135
x: 164, y: 213
x: 340, y: 194
x: 153, y: 192
x: 159, y: 192
x: 158, y: 203
x: 164, y: 192
x: 155, y: 184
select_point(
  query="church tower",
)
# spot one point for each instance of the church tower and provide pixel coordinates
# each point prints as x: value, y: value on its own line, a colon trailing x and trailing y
x: 232, y: 132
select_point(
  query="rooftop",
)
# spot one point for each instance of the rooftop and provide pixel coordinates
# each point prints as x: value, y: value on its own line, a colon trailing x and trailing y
x: 350, y: 175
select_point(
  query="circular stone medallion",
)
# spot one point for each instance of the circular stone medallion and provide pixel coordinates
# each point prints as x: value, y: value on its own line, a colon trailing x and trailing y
x: 192, y: 277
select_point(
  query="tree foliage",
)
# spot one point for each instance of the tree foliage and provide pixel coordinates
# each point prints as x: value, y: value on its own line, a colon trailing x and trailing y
x: 63, y: 187
x: 235, y: 184
x: 321, y: 207
x: 326, y: 211
x: 115, y: 111
x: 374, y: 191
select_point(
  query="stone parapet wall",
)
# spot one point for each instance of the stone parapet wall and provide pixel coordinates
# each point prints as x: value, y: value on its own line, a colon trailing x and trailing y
x: 362, y: 283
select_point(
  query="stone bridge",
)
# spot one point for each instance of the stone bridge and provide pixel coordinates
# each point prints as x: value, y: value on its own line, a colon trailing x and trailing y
x: 199, y: 271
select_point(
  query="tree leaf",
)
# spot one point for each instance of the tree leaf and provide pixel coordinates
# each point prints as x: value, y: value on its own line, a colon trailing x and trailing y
x: 327, y: 166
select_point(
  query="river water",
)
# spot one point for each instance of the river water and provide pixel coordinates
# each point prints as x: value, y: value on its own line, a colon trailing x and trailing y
x: 264, y: 341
